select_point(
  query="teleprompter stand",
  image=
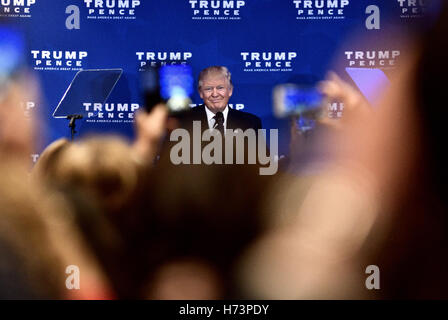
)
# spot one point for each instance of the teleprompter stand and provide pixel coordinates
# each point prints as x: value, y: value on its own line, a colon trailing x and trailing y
x: 72, y: 124
x: 88, y: 86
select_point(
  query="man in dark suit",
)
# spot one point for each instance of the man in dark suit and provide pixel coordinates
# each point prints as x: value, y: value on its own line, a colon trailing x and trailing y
x: 215, y: 89
x: 235, y: 137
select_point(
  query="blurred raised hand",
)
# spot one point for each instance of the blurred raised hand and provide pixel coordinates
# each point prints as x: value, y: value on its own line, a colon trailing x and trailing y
x: 336, y: 89
x: 149, y: 128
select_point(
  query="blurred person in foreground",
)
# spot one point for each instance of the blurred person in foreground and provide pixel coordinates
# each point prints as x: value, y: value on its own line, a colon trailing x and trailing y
x: 39, y: 240
x: 38, y: 237
x: 99, y: 176
x: 382, y: 202
x: 196, y: 222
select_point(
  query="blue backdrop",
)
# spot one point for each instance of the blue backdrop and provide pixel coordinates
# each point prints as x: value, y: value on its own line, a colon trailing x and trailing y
x: 262, y: 42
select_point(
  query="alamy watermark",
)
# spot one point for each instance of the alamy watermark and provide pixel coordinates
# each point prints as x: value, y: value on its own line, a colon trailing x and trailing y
x: 373, y: 280
x: 72, y: 282
x: 234, y: 140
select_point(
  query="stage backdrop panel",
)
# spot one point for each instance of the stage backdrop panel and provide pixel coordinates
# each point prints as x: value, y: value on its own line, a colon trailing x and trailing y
x: 262, y: 42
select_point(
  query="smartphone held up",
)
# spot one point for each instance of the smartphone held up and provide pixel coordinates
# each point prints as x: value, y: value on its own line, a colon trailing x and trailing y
x: 294, y: 100
x: 303, y: 103
x: 171, y: 84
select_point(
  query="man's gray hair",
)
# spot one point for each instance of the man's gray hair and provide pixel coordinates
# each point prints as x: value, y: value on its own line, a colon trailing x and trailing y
x: 214, y: 70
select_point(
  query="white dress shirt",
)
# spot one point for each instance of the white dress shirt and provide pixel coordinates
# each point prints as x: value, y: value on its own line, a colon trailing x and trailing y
x: 211, y: 121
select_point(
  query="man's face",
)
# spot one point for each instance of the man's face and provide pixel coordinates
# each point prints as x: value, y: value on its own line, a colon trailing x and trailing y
x: 215, y: 91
